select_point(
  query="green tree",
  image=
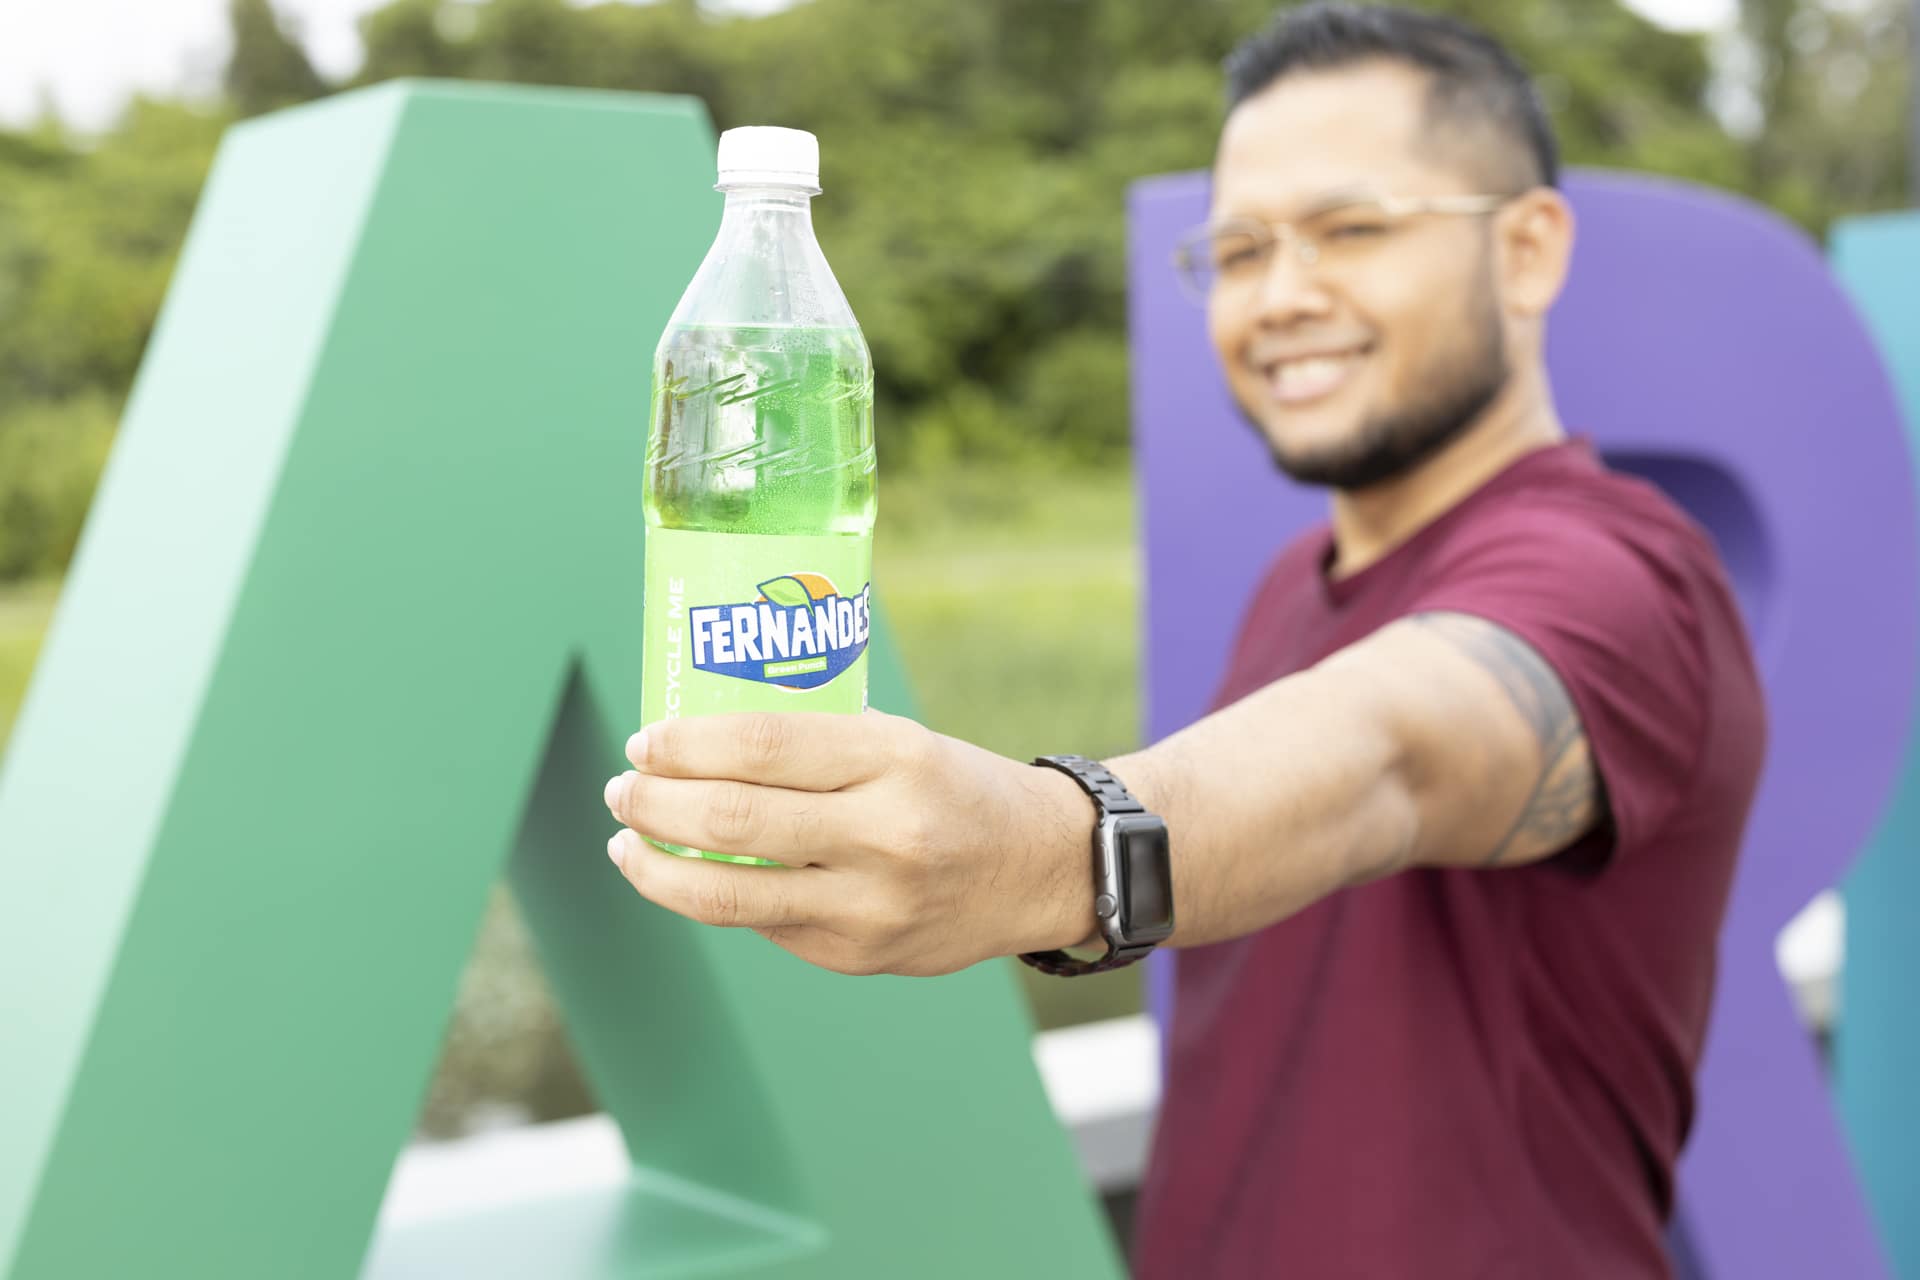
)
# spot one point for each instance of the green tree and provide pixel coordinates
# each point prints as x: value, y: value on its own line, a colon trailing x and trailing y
x: 1831, y: 87
x: 976, y: 156
x: 50, y: 457
x: 87, y: 240
x: 414, y: 38
x: 267, y: 68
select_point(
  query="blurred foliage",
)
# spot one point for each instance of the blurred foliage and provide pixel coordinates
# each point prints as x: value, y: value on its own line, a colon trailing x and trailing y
x: 1831, y: 85
x: 267, y: 67
x: 505, y: 1059
x: 51, y: 452
x: 976, y: 161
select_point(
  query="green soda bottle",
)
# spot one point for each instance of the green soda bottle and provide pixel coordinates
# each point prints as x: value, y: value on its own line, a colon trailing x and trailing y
x: 760, y: 486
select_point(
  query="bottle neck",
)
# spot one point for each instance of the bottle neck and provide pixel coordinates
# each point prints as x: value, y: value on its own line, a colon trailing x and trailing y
x: 765, y: 266
x: 758, y: 202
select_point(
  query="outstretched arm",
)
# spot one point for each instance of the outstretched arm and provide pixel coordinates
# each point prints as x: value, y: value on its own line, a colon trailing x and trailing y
x: 1440, y: 740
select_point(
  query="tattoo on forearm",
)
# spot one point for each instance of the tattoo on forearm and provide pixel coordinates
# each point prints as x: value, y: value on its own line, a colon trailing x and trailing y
x: 1565, y: 799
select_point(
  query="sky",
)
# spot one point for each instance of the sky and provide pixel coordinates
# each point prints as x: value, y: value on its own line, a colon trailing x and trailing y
x: 86, y: 56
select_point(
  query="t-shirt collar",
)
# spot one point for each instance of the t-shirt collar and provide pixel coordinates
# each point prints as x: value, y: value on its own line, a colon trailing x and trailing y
x: 1575, y: 453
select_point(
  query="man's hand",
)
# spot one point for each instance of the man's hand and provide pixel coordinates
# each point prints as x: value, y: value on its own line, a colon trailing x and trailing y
x: 903, y: 851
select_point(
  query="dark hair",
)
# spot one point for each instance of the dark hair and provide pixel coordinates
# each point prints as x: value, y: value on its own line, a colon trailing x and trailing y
x: 1474, y: 81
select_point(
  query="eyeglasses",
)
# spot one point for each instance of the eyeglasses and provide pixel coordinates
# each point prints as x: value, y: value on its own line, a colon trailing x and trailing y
x: 1237, y: 252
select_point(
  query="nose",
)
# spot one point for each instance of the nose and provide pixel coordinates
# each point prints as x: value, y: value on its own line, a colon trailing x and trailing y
x: 1289, y: 289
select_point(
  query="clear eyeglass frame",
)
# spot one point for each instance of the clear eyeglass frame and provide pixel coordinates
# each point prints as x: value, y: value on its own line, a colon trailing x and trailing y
x: 1194, y: 258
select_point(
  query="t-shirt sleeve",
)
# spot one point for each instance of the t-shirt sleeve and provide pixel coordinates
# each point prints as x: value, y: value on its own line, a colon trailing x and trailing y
x: 1617, y: 625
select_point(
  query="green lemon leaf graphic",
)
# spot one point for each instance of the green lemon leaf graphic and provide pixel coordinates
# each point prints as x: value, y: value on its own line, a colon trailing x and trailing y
x: 786, y: 591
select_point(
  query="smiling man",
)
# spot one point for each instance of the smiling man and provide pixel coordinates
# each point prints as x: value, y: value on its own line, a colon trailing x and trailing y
x: 1449, y: 856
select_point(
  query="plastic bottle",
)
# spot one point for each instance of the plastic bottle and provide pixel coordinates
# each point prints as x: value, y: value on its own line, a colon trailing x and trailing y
x: 760, y: 488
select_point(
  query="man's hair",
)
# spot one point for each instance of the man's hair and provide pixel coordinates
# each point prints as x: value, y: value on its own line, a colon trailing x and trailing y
x: 1474, y: 85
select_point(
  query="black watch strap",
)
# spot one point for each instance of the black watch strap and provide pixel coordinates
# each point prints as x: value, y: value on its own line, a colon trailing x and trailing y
x: 1110, y: 795
x: 1062, y: 964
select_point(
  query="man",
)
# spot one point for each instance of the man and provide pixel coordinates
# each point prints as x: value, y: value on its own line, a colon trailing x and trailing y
x: 1451, y: 852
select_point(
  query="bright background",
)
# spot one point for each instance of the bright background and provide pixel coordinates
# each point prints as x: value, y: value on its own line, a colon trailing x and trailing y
x: 83, y: 57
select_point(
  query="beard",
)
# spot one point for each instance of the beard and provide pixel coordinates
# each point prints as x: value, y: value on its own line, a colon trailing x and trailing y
x: 1459, y: 387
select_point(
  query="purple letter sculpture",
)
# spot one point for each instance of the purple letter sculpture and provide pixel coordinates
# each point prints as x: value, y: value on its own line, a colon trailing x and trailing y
x: 1702, y: 344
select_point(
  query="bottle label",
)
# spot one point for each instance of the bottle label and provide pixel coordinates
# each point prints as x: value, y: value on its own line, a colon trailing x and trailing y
x: 754, y: 622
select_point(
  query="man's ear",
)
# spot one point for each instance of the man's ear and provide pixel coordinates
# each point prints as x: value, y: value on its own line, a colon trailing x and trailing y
x: 1535, y: 237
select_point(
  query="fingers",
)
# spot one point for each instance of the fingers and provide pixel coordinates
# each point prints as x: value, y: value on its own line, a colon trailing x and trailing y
x: 808, y: 751
x: 724, y: 894
x: 798, y: 828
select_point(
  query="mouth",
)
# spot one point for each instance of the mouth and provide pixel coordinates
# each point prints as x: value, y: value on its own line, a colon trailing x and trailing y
x: 1303, y: 379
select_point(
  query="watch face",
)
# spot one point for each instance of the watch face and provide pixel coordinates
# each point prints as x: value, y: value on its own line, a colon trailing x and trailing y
x: 1146, y: 885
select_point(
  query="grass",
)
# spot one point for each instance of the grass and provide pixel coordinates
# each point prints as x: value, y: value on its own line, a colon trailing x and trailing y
x: 1016, y: 617
x: 1013, y: 594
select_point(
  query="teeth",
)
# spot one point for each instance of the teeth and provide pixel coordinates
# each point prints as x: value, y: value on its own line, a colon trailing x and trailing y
x: 1309, y: 370
x: 1308, y: 375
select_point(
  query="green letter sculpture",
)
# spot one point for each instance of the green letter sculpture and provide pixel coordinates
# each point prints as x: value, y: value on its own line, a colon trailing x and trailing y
x: 354, y: 628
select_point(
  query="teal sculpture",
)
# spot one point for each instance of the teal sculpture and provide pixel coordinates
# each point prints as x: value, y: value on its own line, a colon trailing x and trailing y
x: 1877, y: 1043
x: 352, y: 632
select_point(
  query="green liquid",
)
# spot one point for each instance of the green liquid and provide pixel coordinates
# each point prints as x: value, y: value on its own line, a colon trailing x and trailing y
x: 762, y: 430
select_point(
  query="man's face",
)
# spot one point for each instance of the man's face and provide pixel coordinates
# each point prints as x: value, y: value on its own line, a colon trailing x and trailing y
x: 1362, y: 363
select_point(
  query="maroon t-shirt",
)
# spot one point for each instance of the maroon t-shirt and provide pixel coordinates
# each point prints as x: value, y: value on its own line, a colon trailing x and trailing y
x: 1486, y: 1074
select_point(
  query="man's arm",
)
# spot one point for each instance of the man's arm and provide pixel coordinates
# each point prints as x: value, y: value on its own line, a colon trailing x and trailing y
x: 1441, y: 740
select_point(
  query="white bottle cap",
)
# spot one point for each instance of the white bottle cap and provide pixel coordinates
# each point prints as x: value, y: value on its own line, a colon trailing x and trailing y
x: 763, y: 155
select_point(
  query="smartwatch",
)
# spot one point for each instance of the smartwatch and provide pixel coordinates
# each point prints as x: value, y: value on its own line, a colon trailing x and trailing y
x: 1132, y: 873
